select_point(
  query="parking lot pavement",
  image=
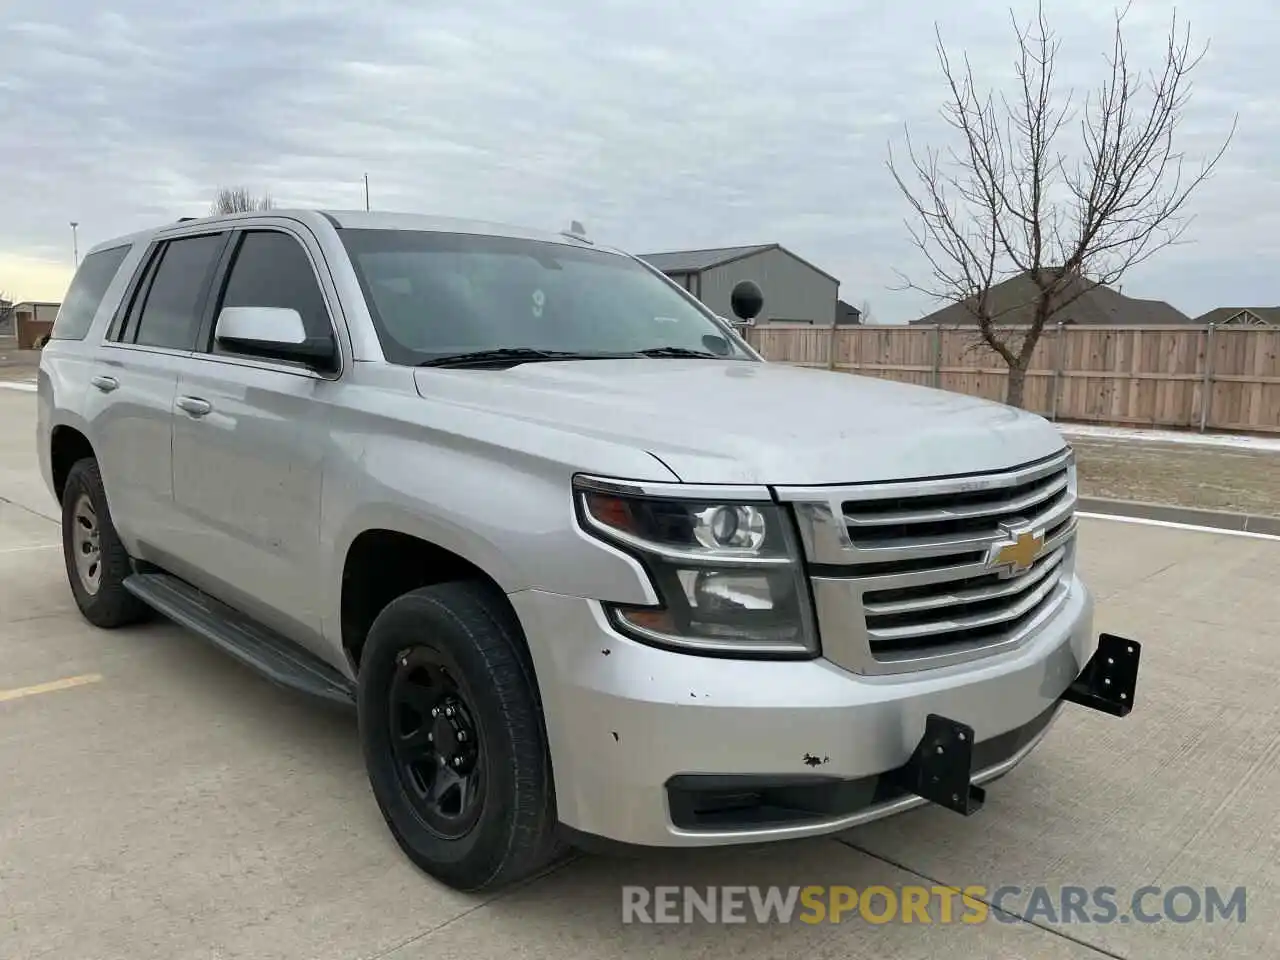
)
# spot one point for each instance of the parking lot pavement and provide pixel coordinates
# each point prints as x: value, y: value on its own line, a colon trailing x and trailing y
x: 160, y: 801
x: 20, y: 483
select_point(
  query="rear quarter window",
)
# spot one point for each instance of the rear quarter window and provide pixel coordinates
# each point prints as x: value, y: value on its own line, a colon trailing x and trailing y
x: 85, y: 294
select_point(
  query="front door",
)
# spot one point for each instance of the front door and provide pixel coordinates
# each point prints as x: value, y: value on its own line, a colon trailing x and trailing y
x: 249, y: 446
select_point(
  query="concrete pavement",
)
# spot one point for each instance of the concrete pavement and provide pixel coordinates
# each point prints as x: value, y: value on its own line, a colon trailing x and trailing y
x: 171, y: 804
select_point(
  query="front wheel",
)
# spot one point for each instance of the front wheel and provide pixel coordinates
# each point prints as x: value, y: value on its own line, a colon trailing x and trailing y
x: 453, y: 737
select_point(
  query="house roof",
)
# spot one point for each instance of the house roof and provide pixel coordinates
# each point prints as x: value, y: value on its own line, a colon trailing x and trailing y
x: 1223, y: 314
x: 847, y: 313
x: 698, y: 261
x: 1013, y: 304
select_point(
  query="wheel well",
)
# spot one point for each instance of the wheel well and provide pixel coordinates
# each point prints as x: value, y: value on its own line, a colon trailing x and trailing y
x: 67, y: 446
x: 384, y: 564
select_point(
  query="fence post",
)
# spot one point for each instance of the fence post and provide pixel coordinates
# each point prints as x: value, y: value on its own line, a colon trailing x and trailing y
x: 831, y: 347
x: 1206, y: 388
x: 1058, y: 350
x: 937, y: 355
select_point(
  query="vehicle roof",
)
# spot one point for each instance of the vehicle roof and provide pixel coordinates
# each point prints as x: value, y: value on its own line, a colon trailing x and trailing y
x: 365, y: 220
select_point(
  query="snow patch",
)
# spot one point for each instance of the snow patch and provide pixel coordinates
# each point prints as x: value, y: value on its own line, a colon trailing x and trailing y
x: 1232, y: 441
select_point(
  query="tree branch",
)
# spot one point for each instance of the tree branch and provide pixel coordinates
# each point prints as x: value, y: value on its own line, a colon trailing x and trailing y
x: 1006, y: 201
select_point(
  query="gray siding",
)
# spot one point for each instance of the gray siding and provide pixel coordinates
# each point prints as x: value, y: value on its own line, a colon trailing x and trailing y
x: 793, y: 291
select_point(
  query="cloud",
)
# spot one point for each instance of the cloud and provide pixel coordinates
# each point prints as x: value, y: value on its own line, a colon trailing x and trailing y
x: 659, y: 125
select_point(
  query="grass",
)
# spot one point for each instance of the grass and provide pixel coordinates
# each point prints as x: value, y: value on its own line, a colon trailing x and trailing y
x: 1209, y: 478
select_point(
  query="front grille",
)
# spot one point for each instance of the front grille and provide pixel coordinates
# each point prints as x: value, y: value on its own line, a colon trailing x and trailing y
x: 909, y: 562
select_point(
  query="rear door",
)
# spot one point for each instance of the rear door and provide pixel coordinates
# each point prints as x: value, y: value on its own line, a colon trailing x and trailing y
x: 129, y: 405
x: 250, y: 440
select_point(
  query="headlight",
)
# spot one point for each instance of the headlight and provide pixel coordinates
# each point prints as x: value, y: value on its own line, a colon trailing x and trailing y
x: 728, y: 574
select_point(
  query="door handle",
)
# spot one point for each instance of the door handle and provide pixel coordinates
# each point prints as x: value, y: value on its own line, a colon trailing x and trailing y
x: 194, y: 406
x: 105, y: 384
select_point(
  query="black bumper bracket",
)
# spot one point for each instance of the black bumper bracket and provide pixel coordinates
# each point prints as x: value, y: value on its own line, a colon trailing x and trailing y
x: 941, y: 768
x: 1110, y: 678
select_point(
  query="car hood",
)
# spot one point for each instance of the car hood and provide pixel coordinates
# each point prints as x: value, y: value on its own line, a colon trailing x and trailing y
x: 723, y: 421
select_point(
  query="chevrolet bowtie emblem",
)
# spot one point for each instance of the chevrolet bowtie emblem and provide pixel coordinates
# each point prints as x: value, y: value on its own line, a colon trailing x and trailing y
x: 1016, y: 554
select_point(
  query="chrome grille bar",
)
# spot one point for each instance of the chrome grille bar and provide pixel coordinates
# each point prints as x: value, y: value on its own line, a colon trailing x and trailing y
x: 1004, y: 613
x: 951, y: 598
x: 902, y: 579
x: 1038, y: 494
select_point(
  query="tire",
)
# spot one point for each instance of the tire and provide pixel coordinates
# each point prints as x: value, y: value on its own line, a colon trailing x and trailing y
x: 457, y: 636
x: 102, y: 599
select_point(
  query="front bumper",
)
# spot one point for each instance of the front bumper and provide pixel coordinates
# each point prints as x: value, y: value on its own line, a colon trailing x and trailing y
x: 641, y: 737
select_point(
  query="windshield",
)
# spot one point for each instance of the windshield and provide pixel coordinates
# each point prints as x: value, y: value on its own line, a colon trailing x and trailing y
x: 434, y: 295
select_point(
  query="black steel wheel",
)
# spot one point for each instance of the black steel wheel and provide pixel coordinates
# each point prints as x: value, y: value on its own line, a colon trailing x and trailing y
x: 453, y: 736
x: 436, y: 742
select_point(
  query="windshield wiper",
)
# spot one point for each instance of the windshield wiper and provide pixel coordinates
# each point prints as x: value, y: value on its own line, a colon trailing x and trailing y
x: 508, y: 356
x: 678, y: 352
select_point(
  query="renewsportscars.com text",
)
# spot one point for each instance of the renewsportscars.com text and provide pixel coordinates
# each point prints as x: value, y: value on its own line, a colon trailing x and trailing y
x: 931, y: 904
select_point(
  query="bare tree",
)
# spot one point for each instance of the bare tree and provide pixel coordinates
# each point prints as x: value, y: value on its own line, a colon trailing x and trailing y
x: 1009, y: 200
x: 239, y: 200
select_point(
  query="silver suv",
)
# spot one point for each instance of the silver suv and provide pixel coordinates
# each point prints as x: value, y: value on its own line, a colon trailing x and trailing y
x: 585, y: 565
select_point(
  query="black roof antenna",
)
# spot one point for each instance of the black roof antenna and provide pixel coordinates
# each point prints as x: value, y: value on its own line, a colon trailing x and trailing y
x: 576, y: 231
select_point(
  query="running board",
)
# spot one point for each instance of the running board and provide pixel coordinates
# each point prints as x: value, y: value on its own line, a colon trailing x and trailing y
x: 277, y: 658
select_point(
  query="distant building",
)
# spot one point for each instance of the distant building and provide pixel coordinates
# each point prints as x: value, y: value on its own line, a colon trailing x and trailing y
x: 795, y: 291
x: 31, y: 322
x: 1242, y: 317
x: 1013, y: 303
x: 847, y: 315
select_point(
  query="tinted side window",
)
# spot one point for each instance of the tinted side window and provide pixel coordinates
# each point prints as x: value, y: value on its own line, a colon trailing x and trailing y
x: 271, y: 269
x: 171, y: 315
x: 85, y: 294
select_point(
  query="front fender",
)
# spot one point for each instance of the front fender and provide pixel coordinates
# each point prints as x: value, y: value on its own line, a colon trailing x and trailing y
x: 510, y: 515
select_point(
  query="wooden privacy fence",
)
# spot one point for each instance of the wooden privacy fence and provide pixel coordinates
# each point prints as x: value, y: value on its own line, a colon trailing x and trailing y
x: 1202, y: 377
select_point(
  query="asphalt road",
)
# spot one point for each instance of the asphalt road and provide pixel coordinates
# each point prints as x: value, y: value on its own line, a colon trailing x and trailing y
x: 159, y: 801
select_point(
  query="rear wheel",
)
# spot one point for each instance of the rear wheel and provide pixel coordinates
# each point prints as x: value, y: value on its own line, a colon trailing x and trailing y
x: 96, y: 561
x: 452, y: 737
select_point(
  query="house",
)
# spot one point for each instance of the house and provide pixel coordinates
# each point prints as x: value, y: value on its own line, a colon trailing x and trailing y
x: 1242, y: 317
x: 795, y: 291
x: 847, y: 315
x: 32, y: 321
x: 1013, y: 303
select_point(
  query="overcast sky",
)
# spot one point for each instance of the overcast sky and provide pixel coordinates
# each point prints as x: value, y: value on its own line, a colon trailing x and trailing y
x: 659, y: 125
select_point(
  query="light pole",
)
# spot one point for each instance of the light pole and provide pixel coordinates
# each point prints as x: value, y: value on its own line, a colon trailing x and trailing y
x: 75, y: 245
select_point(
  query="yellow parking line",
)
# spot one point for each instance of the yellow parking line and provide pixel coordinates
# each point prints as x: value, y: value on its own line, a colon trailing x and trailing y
x: 50, y: 687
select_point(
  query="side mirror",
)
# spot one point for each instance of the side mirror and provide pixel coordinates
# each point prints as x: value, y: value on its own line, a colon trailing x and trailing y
x: 273, y: 333
x: 747, y: 300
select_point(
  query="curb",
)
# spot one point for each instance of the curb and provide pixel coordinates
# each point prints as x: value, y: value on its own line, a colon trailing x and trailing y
x: 1217, y: 519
